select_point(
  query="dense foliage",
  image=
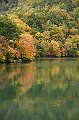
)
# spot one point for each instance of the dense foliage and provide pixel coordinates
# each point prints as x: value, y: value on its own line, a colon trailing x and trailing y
x: 8, y: 29
x: 49, y: 27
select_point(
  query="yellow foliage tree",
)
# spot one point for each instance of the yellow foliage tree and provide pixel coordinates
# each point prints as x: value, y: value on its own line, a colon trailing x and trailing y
x: 20, y: 24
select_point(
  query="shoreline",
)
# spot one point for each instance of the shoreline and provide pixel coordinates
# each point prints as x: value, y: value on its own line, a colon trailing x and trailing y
x: 37, y: 59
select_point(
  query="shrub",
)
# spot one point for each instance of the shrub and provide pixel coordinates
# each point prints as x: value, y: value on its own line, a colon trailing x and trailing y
x: 2, y: 57
x: 72, y: 45
x: 54, y: 49
x: 12, y: 54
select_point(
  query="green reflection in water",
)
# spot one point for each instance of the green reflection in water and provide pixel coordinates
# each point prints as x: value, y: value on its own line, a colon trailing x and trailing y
x: 47, y: 89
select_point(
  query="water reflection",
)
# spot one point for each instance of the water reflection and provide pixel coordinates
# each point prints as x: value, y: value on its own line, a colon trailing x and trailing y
x: 42, y: 90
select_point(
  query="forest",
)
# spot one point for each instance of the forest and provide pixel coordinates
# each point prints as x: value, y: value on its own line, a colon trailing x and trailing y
x: 38, y: 28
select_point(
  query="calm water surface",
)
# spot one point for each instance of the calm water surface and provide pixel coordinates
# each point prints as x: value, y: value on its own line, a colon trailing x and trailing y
x: 47, y: 89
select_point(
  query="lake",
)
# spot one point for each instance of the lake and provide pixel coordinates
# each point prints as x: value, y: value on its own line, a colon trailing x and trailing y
x: 46, y: 89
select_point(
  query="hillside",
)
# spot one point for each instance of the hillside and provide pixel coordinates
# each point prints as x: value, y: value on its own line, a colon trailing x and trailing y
x: 49, y: 27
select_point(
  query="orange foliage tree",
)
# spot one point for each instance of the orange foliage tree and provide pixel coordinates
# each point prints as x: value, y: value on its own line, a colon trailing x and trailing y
x: 26, y: 47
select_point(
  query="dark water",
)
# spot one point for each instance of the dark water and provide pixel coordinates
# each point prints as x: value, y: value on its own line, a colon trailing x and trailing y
x: 44, y: 90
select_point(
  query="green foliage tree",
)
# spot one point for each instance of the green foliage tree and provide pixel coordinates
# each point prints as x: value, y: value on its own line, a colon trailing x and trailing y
x: 8, y: 28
